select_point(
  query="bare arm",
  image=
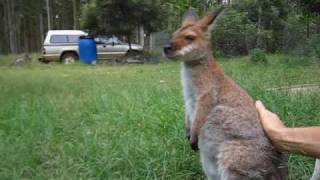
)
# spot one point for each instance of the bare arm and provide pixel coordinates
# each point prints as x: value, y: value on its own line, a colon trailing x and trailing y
x: 305, y: 140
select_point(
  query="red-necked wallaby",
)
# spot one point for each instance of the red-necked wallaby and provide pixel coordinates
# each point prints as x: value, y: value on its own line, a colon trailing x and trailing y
x: 219, y: 113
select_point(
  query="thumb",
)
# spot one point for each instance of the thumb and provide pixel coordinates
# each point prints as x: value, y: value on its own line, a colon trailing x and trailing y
x: 260, y: 107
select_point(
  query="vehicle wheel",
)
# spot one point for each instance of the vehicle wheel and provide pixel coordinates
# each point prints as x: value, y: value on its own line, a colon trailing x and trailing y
x: 69, y: 58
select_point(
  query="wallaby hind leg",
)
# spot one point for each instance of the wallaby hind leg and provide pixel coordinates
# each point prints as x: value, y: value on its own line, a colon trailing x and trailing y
x: 316, y: 172
x: 209, y: 166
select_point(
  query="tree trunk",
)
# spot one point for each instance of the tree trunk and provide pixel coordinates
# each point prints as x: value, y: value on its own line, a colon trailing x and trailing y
x: 129, y: 41
x: 75, y: 5
x: 48, y: 14
x: 3, y: 28
x: 26, y: 39
x: 308, y: 27
x: 10, y: 9
x: 259, y: 29
x: 41, y: 24
x: 16, y: 26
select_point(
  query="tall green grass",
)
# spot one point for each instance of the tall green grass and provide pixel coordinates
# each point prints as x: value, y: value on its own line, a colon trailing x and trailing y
x: 126, y: 122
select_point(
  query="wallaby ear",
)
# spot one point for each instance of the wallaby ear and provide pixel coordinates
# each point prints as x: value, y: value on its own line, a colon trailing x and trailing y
x: 206, y: 23
x: 190, y: 17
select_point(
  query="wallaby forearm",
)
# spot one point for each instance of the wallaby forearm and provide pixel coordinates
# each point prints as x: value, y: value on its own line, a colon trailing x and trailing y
x: 204, y: 102
x: 298, y: 140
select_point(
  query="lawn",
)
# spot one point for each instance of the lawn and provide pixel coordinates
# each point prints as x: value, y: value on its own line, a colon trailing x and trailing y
x: 126, y: 122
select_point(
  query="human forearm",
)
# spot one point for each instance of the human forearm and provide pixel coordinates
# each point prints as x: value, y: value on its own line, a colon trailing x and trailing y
x: 299, y: 140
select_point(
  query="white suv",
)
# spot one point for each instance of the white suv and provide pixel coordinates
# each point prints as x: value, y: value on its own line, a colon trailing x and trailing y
x: 63, y: 46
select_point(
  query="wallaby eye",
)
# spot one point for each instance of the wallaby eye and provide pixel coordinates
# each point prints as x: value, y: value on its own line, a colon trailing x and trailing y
x: 190, y: 38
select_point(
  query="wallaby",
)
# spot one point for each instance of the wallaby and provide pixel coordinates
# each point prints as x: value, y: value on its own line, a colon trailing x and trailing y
x: 220, y: 113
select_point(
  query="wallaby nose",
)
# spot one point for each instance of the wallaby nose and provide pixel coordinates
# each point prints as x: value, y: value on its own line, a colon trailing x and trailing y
x: 168, y: 48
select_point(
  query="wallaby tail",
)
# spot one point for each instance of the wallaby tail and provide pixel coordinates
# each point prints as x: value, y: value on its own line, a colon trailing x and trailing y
x: 316, y: 172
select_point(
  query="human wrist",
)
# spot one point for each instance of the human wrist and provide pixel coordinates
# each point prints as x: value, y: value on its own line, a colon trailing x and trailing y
x: 279, y: 137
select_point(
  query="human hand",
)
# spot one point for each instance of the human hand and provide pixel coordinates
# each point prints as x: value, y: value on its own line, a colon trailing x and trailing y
x: 270, y: 121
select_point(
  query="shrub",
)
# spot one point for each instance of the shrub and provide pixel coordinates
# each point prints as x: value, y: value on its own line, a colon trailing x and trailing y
x: 314, y: 44
x: 258, y: 55
x: 234, y: 34
x: 218, y: 53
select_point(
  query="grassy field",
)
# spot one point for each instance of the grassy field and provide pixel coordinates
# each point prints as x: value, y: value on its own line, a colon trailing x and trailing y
x: 126, y: 122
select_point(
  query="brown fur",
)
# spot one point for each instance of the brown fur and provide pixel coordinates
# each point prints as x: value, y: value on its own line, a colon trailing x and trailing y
x: 220, y: 113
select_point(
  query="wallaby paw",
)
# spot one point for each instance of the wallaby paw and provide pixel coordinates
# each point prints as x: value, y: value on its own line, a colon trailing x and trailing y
x: 194, y: 143
x: 194, y: 146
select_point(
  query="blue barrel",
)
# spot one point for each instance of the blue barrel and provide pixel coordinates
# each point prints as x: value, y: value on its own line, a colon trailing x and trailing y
x: 87, y: 49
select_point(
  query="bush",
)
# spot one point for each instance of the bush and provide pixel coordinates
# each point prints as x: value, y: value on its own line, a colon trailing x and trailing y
x: 314, y: 44
x: 234, y: 34
x: 218, y: 53
x: 258, y: 55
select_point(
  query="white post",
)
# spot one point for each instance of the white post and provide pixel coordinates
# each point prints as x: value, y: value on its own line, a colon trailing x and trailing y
x: 151, y: 41
x: 141, y: 35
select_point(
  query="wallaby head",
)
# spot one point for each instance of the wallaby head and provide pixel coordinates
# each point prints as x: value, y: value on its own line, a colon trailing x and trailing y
x: 192, y: 41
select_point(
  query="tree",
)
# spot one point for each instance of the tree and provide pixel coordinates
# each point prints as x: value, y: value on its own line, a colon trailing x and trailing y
x: 89, y: 17
x: 23, y: 25
x: 121, y: 17
x: 75, y: 10
x: 269, y: 16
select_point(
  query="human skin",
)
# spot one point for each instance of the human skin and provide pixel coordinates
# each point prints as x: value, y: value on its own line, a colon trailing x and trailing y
x: 303, y: 140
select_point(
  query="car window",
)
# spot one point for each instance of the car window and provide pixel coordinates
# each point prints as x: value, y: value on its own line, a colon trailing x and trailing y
x: 109, y: 40
x: 116, y: 40
x: 98, y: 41
x: 73, y: 38
x: 59, y: 39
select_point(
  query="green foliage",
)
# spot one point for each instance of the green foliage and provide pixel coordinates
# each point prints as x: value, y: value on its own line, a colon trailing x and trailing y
x: 121, y: 17
x: 265, y: 24
x: 234, y: 34
x: 258, y: 56
x: 218, y: 53
x: 314, y: 44
x: 173, y: 11
x: 295, y: 36
x: 89, y: 17
x: 269, y: 17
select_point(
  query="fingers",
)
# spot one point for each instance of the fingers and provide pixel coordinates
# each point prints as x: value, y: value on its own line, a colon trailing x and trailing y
x: 268, y: 118
x: 261, y: 109
x: 259, y: 105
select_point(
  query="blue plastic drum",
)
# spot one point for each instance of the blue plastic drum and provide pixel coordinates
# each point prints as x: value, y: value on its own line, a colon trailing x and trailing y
x: 87, y: 49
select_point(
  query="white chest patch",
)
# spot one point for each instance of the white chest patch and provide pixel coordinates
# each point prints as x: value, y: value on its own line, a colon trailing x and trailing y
x: 189, y: 92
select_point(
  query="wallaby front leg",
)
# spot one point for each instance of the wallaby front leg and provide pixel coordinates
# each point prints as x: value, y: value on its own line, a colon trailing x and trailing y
x: 187, y: 126
x: 203, y: 108
x: 197, y: 124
